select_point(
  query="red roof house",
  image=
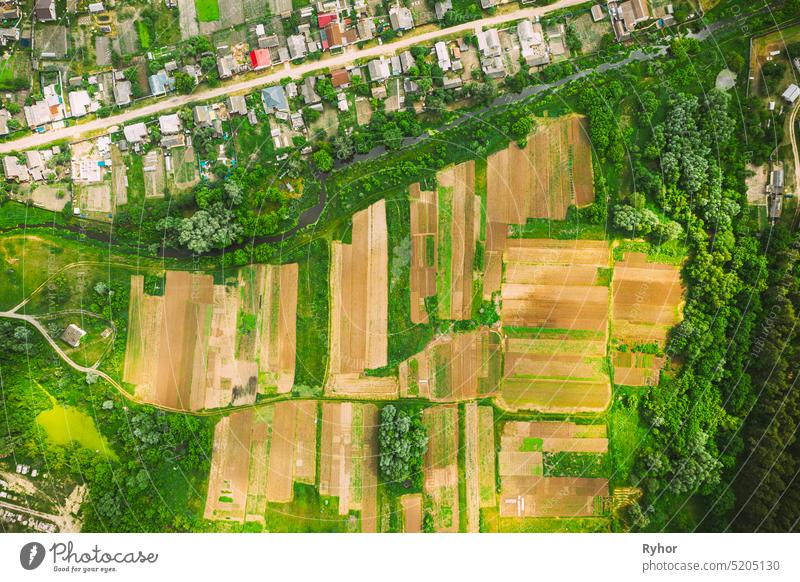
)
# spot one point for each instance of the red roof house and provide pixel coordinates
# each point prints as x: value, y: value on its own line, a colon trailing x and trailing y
x: 260, y: 59
x: 324, y: 20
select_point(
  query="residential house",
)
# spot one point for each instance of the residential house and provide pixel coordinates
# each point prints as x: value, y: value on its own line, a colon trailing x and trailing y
x: 442, y: 56
x: 201, y: 115
x: 5, y: 116
x: 407, y: 61
x: 9, y: 10
x: 397, y: 68
x: 401, y: 18
x: 38, y: 114
x: 96, y: 7
x: 310, y: 96
x: 332, y: 37
x: 597, y: 13
x: 491, y: 53
x: 45, y: 10
x: 626, y: 15
x: 14, y: 170
x: 135, y: 133
x: 297, y: 46
x: 236, y: 105
x: 169, y: 124
x: 452, y: 82
x: 275, y: 100
x: 533, y: 47
x: 341, y: 102
x: 378, y: 70
x: 122, y: 91
x: 72, y: 335
x: 260, y: 59
x: 340, y: 78
x: 226, y: 65
x: 486, y: 4
x: 366, y: 29
x: 8, y: 35
x: 441, y: 8
x: 79, y: 103
x: 161, y: 83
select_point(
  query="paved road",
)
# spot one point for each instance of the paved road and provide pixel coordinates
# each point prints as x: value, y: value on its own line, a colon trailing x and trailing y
x: 247, y: 85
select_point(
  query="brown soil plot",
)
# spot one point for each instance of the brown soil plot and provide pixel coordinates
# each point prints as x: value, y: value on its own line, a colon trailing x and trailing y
x: 257, y: 456
x: 544, y: 179
x: 359, y: 309
x: 460, y: 366
x: 441, y: 466
x: 525, y: 492
x: 349, y: 459
x: 551, y: 288
x: 412, y: 512
x: 458, y: 206
x: 424, y: 250
x: 471, y: 464
x: 202, y: 346
x: 486, y: 453
x: 646, y: 303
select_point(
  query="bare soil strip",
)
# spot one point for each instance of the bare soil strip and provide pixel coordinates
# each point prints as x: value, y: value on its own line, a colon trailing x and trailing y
x: 412, y: 512
x: 486, y: 452
x: 525, y: 492
x: 471, y: 467
x: 424, y: 250
x: 441, y: 466
x: 359, y: 311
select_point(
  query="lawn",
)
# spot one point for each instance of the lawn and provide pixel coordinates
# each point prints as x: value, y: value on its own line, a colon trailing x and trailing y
x: 308, y: 512
x: 144, y: 35
x: 207, y: 10
x: 16, y: 214
x: 15, y: 71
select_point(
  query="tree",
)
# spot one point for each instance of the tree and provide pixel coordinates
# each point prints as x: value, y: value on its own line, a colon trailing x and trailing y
x: 343, y: 146
x: 402, y: 441
x: 521, y: 128
x: 323, y: 161
x: 634, y: 221
x: 184, y: 83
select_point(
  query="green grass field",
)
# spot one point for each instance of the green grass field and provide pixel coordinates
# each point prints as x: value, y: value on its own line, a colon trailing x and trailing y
x: 207, y: 10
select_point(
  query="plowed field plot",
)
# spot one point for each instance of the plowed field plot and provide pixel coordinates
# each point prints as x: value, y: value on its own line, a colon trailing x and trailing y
x: 412, y: 512
x: 646, y: 300
x: 348, y: 465
x: 555, y: 310
x: 257, y: 456
x: 424, y: 249
x: 486, y: 454
x: 203, y: 346
x: 268, y: 323
x: 441, y: 467
x: 549, y: 469
x: 472, y: 502
x: 455, y: 367
x: 359, y: 310
x: 458, y: 229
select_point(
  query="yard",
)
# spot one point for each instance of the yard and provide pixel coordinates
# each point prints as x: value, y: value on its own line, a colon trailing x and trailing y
x: 207, y: 10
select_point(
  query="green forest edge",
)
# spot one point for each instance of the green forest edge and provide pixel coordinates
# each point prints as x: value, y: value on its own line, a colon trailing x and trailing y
x: 684, y: 442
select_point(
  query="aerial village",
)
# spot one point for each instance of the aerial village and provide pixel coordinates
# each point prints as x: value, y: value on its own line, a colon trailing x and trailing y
x: 124, y: 56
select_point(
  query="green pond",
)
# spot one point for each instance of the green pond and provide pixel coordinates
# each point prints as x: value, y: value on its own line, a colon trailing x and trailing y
x: 64, y: 424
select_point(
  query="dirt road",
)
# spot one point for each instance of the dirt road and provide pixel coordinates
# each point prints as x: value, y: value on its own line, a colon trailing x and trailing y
x: 247, y: 85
